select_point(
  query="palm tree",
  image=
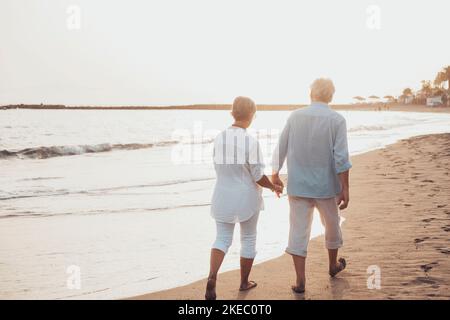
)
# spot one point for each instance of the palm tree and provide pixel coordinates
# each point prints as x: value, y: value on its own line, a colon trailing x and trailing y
x: 440, y: 79
x: 427, y: 88
x: 359, y: 98
x: 407, y: 92
x: 446, y: 72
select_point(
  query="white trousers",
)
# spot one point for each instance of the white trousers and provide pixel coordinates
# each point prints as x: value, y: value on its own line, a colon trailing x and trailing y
x: 224, y: 236
x: 301, y: 216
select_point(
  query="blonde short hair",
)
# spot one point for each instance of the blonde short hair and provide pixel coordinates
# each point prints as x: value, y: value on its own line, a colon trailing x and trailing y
x: 322, y: 89
x: 243, y: 108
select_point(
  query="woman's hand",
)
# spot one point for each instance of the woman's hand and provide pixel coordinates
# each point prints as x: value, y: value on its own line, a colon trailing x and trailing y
x: 277, y: 189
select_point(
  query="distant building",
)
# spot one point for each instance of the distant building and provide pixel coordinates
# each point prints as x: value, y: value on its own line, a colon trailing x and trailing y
x: 406, y: 99
x: 421, y: 97
x: 434, y: 101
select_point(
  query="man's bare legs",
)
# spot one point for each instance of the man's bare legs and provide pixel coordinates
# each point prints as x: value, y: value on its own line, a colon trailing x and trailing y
x: 216, y: 260
x: 335, y: 266
x: 332, y: 259
x: 246, y: 267
x: 299, y: 264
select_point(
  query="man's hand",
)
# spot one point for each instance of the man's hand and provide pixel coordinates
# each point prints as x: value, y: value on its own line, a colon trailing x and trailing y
x: 343, y: 199
x: 279, y: 186
x: 276, y: 180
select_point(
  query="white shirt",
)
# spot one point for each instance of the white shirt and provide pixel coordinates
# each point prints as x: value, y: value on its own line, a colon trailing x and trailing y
x: 239, y: 165
x: 314, y: 141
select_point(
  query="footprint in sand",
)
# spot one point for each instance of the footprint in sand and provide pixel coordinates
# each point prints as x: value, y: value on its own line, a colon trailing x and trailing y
x: 428, y: 180
x: 446, y: 228
x: 428, y: 219
x: 407, y: 204
x: 419, y: 240
x: 429, y: 266
x: 424, y: 280
x: 444, y: 251
x: 441, y: 206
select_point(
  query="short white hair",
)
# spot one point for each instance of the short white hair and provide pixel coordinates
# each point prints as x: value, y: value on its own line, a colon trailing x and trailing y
x: 322, y: 89
x: 243, y: 108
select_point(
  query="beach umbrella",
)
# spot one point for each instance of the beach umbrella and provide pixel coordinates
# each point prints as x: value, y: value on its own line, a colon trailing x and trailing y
x: 374, y: 97
x: 359, y: 98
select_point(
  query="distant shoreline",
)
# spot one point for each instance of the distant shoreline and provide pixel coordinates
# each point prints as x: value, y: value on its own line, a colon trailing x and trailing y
x: 261, y: 107
x: 179, y: 107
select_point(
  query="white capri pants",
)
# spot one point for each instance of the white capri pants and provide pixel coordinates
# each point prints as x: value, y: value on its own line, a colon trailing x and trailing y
x: 301, y: 216
x: 224, y: 236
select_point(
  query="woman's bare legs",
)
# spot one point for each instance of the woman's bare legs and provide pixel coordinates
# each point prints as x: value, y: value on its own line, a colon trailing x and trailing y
x: 246, y: 267
x: 216, y: 260
x: 299, y: 264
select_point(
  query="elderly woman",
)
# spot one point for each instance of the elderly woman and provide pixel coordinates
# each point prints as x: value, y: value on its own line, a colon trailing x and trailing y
x: 314, y: 141
x: 237, y: 194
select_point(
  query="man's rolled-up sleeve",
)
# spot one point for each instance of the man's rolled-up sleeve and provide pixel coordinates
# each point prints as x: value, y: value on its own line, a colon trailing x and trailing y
x: 280, y: 152
x: 341, y: 155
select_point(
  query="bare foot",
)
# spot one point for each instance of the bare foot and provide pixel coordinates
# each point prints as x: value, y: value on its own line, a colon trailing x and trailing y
x: 298, y: 289
x: 247, y: 286
x: 210, y: 293
x: 338, y: 268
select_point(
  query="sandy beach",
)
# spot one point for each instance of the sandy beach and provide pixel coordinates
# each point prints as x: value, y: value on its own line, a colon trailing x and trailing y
x: 398, y: 220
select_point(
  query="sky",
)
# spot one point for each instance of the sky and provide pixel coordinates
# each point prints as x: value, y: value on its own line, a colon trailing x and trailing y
x: 172, y: 52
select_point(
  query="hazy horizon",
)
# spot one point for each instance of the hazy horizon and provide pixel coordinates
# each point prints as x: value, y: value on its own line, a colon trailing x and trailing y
x: 207, y: 52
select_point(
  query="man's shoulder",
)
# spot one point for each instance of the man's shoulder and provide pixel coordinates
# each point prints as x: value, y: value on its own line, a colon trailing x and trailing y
x: 310, y: 109
x: 336, y: 116
x: 300, y: 112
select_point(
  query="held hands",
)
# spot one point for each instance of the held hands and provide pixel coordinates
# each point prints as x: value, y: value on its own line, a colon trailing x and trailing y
x: 278, y: 184
x: 277, y: 189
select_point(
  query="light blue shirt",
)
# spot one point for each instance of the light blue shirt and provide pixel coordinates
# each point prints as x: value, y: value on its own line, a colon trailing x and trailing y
x: 314, y: 141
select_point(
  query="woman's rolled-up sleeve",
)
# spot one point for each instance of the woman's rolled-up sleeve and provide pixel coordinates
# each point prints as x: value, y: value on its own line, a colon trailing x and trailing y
x: 341, y: 155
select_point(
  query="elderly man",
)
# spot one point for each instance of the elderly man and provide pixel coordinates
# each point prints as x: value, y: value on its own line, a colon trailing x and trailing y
x: 314, y: 141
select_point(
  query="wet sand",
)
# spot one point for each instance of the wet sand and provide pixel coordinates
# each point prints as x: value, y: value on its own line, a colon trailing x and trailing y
x: 398, y: 221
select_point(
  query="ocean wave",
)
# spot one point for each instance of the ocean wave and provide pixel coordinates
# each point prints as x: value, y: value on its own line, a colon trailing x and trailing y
x: 403, y: 122
x: 368, y: 128
x: 59, y: 151
x: 29, y: 214
x: 98, y: 191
